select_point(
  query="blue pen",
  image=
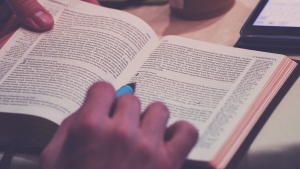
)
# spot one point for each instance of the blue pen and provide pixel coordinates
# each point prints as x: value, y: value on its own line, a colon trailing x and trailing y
x: 126, y: 89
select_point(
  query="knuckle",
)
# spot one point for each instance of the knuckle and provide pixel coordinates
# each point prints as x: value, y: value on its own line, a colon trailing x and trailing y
x: 84, y: 127
x: 123, y: 135
x: 146, y: 150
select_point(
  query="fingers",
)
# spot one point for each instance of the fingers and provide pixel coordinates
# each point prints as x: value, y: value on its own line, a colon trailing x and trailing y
x: 182, y: 136
x: 154, y: 121
x: 96, y: 2
x: 127, y: 111
x: 81, y: 136
x: 98, y: 103
x: 32, y: 14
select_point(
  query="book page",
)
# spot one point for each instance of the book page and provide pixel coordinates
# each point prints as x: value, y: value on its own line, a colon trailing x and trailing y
x: 39, y: 71
x: 210, y: 86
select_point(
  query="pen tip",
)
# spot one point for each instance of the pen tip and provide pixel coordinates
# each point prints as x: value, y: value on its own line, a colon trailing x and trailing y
x: 132, y: 85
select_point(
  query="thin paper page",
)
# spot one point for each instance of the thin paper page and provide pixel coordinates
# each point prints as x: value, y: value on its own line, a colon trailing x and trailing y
x: 87, y: 44
x: 197, y: 79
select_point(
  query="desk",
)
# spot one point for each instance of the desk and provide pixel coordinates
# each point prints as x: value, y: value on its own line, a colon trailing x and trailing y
x: 277, y: 146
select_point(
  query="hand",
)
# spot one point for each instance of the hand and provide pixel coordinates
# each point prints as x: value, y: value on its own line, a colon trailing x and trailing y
x: 29, y: 12
x: 106, y: 133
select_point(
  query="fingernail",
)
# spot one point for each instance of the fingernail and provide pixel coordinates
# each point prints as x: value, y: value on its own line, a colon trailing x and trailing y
x: 42, y: 19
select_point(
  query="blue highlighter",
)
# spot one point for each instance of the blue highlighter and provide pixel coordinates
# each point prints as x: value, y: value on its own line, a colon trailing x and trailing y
x: 126, y: 89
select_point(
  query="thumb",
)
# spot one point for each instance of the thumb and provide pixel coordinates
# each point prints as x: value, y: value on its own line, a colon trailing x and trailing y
x: 32, y: 14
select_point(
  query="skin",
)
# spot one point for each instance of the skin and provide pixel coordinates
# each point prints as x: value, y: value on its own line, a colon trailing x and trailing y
x: 110, y: 133
x: 29, y: 12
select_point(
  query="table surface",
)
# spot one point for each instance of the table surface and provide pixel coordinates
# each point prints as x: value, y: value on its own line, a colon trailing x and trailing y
x: 277, y: 145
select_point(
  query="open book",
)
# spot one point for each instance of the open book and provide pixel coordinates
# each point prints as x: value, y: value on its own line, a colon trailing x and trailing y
x: 221, y: 90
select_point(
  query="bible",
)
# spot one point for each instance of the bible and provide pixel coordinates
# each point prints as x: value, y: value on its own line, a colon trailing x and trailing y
x: 222, y: 91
